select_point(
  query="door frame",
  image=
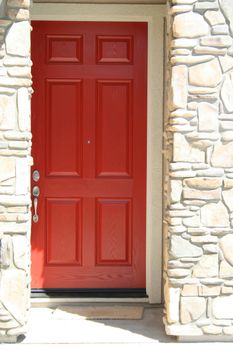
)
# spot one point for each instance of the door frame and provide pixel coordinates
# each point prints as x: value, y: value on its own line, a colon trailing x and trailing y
x: 154, y: 16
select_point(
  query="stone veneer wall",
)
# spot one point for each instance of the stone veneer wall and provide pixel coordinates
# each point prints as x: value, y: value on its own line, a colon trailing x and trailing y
x: 15, y: 161
x: 199, y: 151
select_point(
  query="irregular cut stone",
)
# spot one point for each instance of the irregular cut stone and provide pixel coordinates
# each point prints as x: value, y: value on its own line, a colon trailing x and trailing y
x: 214, y: 215
x: 201, y: 194
x: 228, y: 183
x: 189, y: 25
x: 226, y: 270
x: 211, y: 329
x: 227, y: 92
x: 184, y: 43
x: 208, y: 117
x: 226, y: 7
x: 182, y: 330
x: 191, y: 309
x: 226, y: 245
x: 190, y: 59
x: 192, y: 222
x: 226, y: 63
x: 18, y: 39
x: 181, y: 248
x: 7, y: 166
x: 207, y: 266
x: 203, y: 183
x: 179, y: 86
x: 172, y: 297
x: 220, y: 30
x: 8, y: 112
x: 20, y: 244
x: 228, y: 199
x: 178, y: 272
x: 22, y: 176
x: 180, y: 9
x: 214, y: 17
x: 228, y: 330
x: 183, y: 150
x: 204, y: 239
x: 209, y: 291
x: 226, y: 125
x: 209, y: 50
x: 210, y: 248
x: 189, y: 290
x: 222, y: 155
x: 223, y: 307
x: 216, y: 41
x: 205, y: 74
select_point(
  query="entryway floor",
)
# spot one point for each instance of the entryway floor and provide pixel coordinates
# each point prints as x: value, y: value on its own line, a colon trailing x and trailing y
x: 48, y: 333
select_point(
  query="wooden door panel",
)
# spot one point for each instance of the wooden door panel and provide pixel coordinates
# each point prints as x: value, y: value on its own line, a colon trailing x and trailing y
x: 113, y: 231
x: 114, y: 128
x: 64, y: 127
x: 63, y: 246
x: 89, y: 144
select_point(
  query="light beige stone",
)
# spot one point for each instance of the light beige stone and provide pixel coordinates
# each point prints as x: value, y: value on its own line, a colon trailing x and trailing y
x: 228, y: 199
x: 212, y: 329
x: 179, y: 86
x: 183, y: 150
x: 203, y: 183
x: 172, y: 296
x: 228, y: 183
x: 18, y: 3
x: 180, y: 9
x: 209, y: 50
x: 20, y: 244
x: 182, y: 330
x: 176, y: 190
x: 189, y: 290
x: 216, y: 41
x: 214, y: 215
x: 227, y: 125
x: 220, y: 30
x: 227, y: 91
x: 7, y: 166
x: 181, y: 248
x: 194, y: 221
x: 223, y: 307
x: 8, y: 112
x: 222, y: 155
x: 205, y: 291
x: 19, y: 72
x: 22, y: 176
x: 18, y: 39
x: 23, y: 109
x: 204, y: 239
x: 226, y: 63
x: 214, y: 17
x: 226, y: 7
x: 189, y: 25
x: 18, y: 14
x: 226, y: 245
x: 226, y: 270
x: 189, y: 193
x: 206, y: 267
x: 190, y: 60
x: 184, y: 43
x: 228, y: 330
x: 191, y: 309
x: 207, y: 117
x: 205, y: 74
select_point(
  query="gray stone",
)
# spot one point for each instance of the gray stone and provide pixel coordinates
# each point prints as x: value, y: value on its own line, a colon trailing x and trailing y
x: 205, y: 74
x: 208, y: 117
x: 206, y: 267
x: 222, y: 155
x: 227, y: 91
x: 219, y: 41
x: 179, y: 86
x: 214, y: 215
x: 189, y: 25
x: 223, y: 307
x: 191, y: 309
x: 18, y: 39
x: 181, y: 248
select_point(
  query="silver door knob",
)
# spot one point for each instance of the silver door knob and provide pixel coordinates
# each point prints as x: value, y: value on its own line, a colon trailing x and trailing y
x: 36, y: 193
x: 36, y: 175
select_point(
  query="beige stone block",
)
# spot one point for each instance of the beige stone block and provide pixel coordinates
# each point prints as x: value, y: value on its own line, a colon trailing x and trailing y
x: 179, y: 80
x: 226, y: 63
x: 20, y: 255
x: 222, y: 155
x: 203, y: 183
x: 21, y: 72
x: 205, y: 291
x: 226, y: 7
x: 191, y: 309
x: 181, y: 248
x: 189, y: 290
x: 183, y: 150
x: 228, y: 330
x: 189, y: 193
x: 214, y: 215
x: 190, y: 60
x: 7, y: 166
x: 184, y: 43
x: 204, y: 239
x: 18, y: 39
x: 211, y: 329
x: 8, y: 112
x: 214, y: 17
x: 207, y: 117
x: 22, y: 176
x: 223, y: 307
x: 226, y: 245
x: 172, y: 297
x: 23, y: 109
x: 216, y: 41
x: 207, y: 266
x: 205, y: 74
x: 227, y: 290
x: 176, y: 190
x: 227, y: 91
x: 209, y: 50
x: 189, y: 25
x: 228, y: 199
x: 193, y: 221
x: 182, y: 330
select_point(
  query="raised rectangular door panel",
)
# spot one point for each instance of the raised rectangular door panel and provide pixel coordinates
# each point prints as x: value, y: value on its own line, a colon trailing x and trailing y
x: 89, y: 145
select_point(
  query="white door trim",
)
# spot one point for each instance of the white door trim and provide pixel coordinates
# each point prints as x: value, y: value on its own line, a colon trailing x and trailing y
x: 154, y: 16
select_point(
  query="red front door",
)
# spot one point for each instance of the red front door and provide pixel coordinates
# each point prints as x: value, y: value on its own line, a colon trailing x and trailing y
x: 89, y: 146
